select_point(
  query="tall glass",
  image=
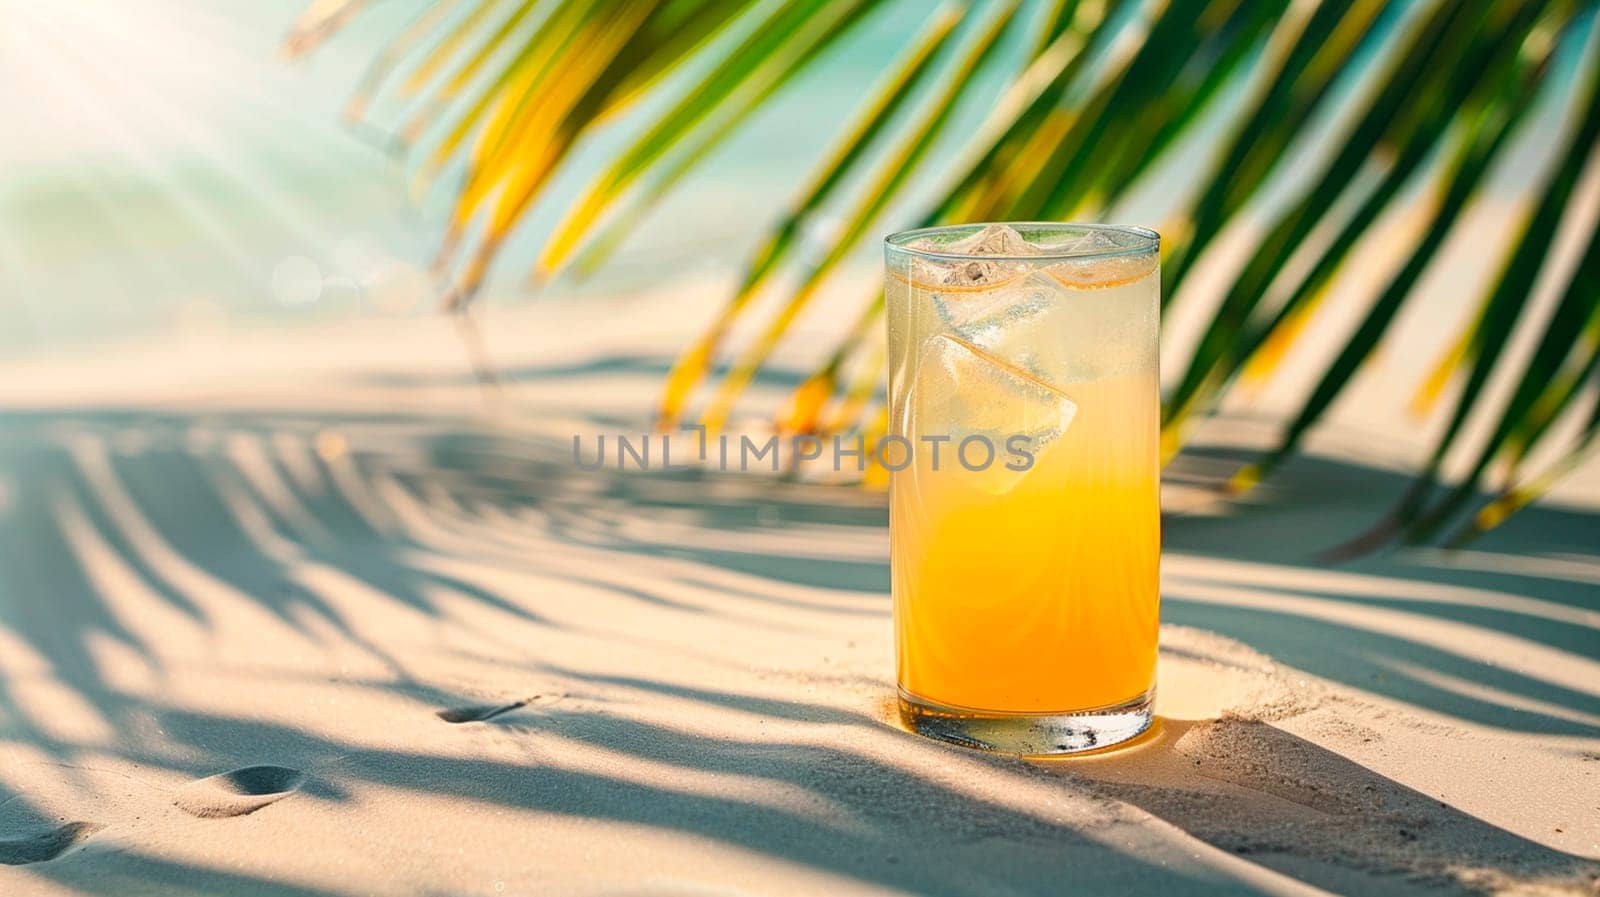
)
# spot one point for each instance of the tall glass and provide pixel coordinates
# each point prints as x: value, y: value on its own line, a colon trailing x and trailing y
x: 1024, y: 508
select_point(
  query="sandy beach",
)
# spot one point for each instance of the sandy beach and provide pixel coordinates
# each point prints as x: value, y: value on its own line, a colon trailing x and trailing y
x: 293, y: 605
x: 301, y: 613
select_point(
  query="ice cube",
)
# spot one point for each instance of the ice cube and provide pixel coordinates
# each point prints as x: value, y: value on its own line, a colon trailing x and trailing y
x: 1056, y: 329
x: 1055, y: 332
x: 1096, y: 258
x: 995, y: 240
x: 963, y: 391
x: 985, y: 317
x: 963, y: 274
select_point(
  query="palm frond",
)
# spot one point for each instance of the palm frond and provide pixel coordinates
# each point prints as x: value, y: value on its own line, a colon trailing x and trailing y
x: 1506, y: 303
x: 1294, y: 86
x: 1447, y: 46
x: 882, y: 186
x: 1479, y: 146
x: 466, y: 70
x: 1421, y: 97
x: 394, y: 52
x: 1514, y: 499
x: 1577, y: 312
x: 459, y: 34
x: 776, y: 52
x: 1027, y: 116
x: 692, y: 365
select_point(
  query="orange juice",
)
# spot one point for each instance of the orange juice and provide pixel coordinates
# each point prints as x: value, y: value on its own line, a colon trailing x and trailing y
x: 1025, y: 516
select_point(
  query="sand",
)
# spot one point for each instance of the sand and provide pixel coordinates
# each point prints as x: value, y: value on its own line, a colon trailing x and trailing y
x: 297, y: 614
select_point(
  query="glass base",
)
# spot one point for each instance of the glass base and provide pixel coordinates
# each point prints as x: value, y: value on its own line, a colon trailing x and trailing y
x: 1028, y: 734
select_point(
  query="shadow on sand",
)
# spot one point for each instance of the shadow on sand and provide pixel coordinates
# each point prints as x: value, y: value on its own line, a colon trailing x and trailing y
x: 198, y: 510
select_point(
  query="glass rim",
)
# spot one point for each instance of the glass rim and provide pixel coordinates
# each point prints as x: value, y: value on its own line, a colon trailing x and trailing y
x: 1149, y: 241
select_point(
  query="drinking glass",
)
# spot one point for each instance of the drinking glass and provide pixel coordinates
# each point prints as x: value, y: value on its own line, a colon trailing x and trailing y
x: 1024, y: 507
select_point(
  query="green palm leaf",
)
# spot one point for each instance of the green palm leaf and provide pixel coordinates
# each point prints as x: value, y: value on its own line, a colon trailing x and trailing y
x: 1294, y: 88
x: 1512, y: 500
x: 1027, y: 114
x: 1104, y: 91
x: 774, y: 54
x: 1503, y: 306
x: 868, y: 123
x: 1449, y: 52
x: 1506, y: 303
x: 1576, y: 312
x: 693, y: 364
x: 1479, y: 147
x: 466, y: 70
x: 882, y: 186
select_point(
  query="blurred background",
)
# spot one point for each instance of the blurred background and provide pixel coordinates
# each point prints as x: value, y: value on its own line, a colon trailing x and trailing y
x: 164, y: 163
x: 1375, y: 213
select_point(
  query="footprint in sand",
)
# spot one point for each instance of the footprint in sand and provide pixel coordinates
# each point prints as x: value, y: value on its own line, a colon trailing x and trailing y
x: 477, y: 713
x: 42, y: 846
x: 239, y: 792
